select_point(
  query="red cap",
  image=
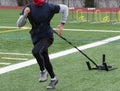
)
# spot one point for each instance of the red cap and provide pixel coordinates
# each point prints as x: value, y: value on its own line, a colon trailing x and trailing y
x: 38, y: 2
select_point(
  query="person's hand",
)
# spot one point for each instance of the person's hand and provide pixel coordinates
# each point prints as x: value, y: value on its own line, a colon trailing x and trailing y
x: 60, y: 29
x: 26, y: 11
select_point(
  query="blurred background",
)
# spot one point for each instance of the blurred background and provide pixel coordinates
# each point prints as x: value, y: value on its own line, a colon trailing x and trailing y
x: 70, y: 3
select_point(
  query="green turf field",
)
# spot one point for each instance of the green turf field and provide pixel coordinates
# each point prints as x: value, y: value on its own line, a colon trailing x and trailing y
x: 71, y: 69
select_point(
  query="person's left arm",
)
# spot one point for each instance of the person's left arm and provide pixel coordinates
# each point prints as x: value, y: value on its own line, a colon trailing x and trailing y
x: 64, y: 10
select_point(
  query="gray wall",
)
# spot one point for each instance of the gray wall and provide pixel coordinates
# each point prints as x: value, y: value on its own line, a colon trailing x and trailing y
x: 8, y: 2
x: 98, y: 3
x: 70, y: 3
x: 107, y: 3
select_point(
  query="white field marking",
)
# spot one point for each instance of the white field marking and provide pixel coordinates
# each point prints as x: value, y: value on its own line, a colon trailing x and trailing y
x: 83, y: 30
x: 59, y: 54
x: 15, y: 54
x: 22, y: 59
x: 4, y: 63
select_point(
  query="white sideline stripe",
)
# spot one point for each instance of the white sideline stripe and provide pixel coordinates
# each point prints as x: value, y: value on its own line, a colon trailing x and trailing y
x: 5, y: 63
x: 59, y: 54
x: 15, y: 54
x: 83, y: 30
x: 22, y: 59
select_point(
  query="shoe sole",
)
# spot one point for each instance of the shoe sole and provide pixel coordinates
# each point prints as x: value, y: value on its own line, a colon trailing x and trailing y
x: 43, y: 81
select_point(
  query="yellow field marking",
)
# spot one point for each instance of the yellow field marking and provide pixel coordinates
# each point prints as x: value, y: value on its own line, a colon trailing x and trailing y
x: 13, y: 30
x: 13, y: 27
x: 8, y: 27
x: 6, y: 31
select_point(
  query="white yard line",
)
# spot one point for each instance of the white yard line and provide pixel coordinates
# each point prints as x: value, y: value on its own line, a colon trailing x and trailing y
x: 107, y: 31
x: 15, y: 54
x: 4, y: 63
x: 83, y: 30
x: 22, y: 59
x: 59, y: 54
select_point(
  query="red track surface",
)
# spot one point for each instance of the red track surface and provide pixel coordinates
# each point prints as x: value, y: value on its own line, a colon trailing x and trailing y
x: 94, y: 9
x: 10, y: 8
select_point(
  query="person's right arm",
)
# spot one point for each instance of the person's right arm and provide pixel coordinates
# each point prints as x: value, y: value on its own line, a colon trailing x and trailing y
x: 23, y: 17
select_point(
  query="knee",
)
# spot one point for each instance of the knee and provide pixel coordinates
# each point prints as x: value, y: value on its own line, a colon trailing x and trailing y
x: 37, y: 52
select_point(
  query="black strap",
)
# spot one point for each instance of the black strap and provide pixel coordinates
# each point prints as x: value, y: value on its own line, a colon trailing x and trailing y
x: 46, y: 22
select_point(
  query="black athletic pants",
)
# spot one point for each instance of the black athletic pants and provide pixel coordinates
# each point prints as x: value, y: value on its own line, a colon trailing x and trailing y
x: 40, y: 52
